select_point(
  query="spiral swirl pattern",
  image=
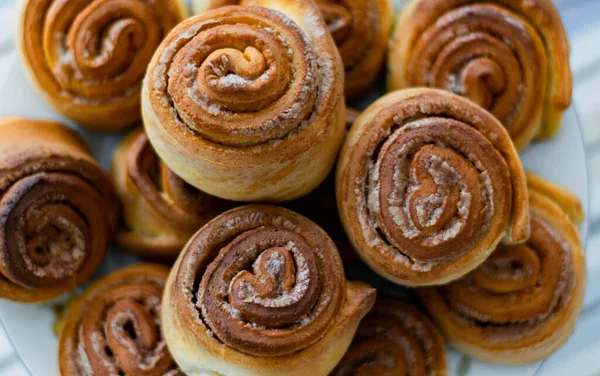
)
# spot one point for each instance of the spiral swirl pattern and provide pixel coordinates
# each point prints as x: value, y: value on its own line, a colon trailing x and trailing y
x: 509, y: 57
x: 521, y: 297
x: 161, y: 211
x: 532, y: 277
x: 428, y: 184
x: 244, y: 83
x: 234, y: 83
x: 395, y: 338
x: 89, y: 57
x: 57, y: 210
x: 360, y: 29
x: 264, y: 281
x: 114, y: 327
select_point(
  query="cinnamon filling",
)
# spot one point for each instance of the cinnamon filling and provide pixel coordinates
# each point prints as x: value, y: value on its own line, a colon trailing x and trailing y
x: 249, y: 79
x: 99, y: 51
x: 51, y: 227
x: 353, y: 26
x: 262, y: 283
x: 120, y: 334
x: 394, y: 340
x: 187, y: 207
x: 432, y: 187
x: 516, y: 290
x: 488, y: 54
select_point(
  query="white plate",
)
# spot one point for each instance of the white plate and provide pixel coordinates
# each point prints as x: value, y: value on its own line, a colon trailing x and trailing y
x: 29, y: 327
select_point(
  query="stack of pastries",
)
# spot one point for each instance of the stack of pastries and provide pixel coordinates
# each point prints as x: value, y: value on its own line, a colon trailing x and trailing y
x: 254, y: 188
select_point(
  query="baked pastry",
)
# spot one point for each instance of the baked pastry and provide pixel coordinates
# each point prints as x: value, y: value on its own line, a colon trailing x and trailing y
x: 87, y: 59
x: 161, y: 212
x: 360, y: 29
x: 58, y: 210
x: 395, y: 338
x: 568, y: 202
x: 521, y: 305
x: 428, y: 183
x: 113, y: 328
x: 511, y: 57
x: 265, y: 124
x: 320, y: 206
x: 351, y: 116
x: 260, y: 290
x: 201, y: 6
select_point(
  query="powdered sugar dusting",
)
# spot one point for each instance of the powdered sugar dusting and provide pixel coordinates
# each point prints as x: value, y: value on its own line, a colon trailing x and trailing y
x: 286, y: 298
x: 233, y: 81
x: 409, y: 208
x: 233, y: 312
x: 274, y: 263
x: 304, y: 90
x: 62, y: 244
x: 314, y: 22
x: 82, y: 361
x: 98, y: 346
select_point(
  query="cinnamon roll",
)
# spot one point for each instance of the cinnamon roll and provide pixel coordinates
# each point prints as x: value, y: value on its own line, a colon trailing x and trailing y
x: 88, y: 58
x: 320, y: 206
x: 260, y: 290
x: 114, y: 328
x: 522, y: 303
x: 246, y: 103
x: 428, y: 184
x: 58, y: 210
x: 201, y: 6
x: 161, y: 212
x: 511, y: 57
x: 395, y: 338
x: 360, y: 29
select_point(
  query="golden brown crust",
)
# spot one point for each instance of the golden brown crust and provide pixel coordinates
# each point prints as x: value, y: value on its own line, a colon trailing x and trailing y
x: 260, y: 125
x: 427, y: 185
x: 568, y: 202
x: 320, y: 206
x: 114, y: 327
x: 395, y: 338
x: 360, y: 29
x: 88, y: 59
x: 260, y: 290
x: 509, y: 56
x: 201, y: 6
x: 58, y: 210
x: 160, y: 211
x: 521, y: 305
